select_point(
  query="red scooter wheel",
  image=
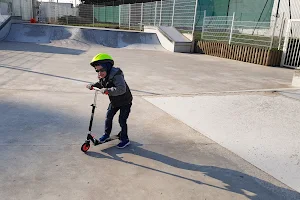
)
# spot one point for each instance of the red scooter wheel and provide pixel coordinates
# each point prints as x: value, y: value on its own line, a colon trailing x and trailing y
x: 85, y: 147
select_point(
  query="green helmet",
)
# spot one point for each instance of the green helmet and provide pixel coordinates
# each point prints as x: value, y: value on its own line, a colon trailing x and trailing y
x: 101, y: 58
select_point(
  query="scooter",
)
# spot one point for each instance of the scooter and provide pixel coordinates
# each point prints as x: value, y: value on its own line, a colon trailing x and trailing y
x: 90, y: 138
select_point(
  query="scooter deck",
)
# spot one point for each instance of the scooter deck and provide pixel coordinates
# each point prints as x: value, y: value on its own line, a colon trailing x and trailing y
x: 97, y: 142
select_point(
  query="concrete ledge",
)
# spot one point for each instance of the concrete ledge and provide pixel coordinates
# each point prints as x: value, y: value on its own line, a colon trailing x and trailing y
x: 167, y: 42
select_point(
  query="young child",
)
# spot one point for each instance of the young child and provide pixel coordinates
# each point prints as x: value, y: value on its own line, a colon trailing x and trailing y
x: 112, y: 83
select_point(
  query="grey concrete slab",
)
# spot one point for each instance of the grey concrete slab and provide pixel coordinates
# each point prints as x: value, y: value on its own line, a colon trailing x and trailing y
x: 262, y: 128
x: 45, y: 110
x: 152, y: 72
x: 41, y: 135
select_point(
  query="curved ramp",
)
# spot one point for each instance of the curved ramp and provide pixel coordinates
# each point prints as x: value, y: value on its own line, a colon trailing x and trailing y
x: 46, y: 34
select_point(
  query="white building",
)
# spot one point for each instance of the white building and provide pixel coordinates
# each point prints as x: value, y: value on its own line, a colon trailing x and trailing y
x: 49, y: 11
x: 22, y: 8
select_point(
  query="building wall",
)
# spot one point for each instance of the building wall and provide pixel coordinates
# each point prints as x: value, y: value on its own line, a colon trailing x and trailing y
x: 23, y: 8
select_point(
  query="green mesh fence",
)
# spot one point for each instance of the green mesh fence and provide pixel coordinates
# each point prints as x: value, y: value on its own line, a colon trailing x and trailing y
x: 108, y: 14
x: 254, y: 10
x: 245, y: 10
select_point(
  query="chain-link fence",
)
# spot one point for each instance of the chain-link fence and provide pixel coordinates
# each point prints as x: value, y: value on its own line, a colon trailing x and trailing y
x: 252, y: 33
x: 177, y: 13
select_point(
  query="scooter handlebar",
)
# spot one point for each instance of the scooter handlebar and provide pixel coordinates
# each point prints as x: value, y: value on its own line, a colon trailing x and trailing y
x: 95, y: 88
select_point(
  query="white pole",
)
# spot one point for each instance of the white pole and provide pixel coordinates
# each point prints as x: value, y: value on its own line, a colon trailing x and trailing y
x: 57, y: 11
x: 286, y: 41
x: 173, y: 13
x: 120, y: 16
x: 155, y: 13
x: 281, y: 31
x: 273, y: 32
x: 195, y: 15
x: 129, y: 10
x: 231, y: 31
x: 93, y: 15
x: 160, y: 12
x: 141, y: 25
x: 32, y: 9
x: 203, y: 25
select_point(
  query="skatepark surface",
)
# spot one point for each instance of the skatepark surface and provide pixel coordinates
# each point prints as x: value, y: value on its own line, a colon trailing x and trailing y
x: 201, y: 127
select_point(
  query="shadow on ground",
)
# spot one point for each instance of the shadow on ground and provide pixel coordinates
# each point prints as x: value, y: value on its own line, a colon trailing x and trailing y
x: 23, y: 124
x: 34, y: 47
x: 236, y: 181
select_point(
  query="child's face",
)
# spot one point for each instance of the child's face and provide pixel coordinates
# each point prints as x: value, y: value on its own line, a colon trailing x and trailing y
x: 101, y: 72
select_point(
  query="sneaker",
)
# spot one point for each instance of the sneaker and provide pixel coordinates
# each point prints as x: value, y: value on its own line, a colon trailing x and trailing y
x: 123, y: 144
x: 104, y: 138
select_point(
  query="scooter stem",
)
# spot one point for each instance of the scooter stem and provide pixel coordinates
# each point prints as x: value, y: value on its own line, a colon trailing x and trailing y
x: 93, y: 111
x: 95, y: 98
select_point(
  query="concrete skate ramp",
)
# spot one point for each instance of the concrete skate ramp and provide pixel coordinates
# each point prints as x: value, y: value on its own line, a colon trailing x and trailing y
x: 45, y: 34
x: 174, y: 34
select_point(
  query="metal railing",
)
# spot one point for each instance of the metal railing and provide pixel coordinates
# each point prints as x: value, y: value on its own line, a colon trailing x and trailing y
x: 185, y: 15
x: 291, y: 48
x: 227, y: 29
x: 177, y: 13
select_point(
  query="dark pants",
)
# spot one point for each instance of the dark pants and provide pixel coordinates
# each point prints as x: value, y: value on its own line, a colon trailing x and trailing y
x: 124, y: 113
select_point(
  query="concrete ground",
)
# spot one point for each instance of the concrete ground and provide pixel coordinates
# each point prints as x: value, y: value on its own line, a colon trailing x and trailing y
x: 263, y: 127
x: 45, y: 110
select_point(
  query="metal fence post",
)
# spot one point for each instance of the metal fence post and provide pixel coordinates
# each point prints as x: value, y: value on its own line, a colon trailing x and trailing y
x: 195, y: 15
x: 104, y: 12
x: 67, y: 17
x: 120, y: 6
x: 273, y: 32
x: 93, y: 15
x: 173, y: 13
x: 281, y: 31
x: 113, y: 8
x: 231, y: 30
x: 286, y: 42
x: 56, y: 11
x: 129, y: 10
x: 203, y: 24
x: 32, y: 10
x: 160, y: 12
x: 141, y: 25
x: 155, y: 13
